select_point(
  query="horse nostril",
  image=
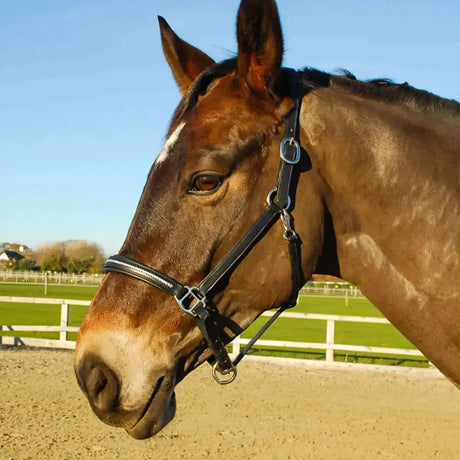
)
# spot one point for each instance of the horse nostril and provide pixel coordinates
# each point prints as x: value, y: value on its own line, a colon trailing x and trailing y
x: 96, y: 382
x: 99, y: 383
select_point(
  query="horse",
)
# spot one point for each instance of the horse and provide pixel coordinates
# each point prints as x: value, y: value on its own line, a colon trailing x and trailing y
x: 365, y: 187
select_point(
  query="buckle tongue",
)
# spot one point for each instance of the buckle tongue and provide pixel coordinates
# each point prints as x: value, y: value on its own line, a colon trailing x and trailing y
x: 191, y: 300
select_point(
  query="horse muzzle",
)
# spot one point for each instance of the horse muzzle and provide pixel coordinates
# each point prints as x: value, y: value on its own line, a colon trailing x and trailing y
x: 134, y: 391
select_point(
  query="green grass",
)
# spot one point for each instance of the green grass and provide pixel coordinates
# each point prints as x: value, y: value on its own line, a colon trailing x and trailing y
x: 298, y: 330
x: 284, y: 329
x: 341, y: 356
x: 295, y: 330
x: 357, y: 306
x: 53, y: 291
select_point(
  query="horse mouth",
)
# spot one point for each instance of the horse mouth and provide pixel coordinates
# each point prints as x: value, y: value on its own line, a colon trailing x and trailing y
x: 158, y: 411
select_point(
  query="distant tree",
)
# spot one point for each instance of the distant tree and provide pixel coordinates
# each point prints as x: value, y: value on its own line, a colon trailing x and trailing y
x: 76, y: 256
x: 46, y: 252
x: 84, y: 257
x: 25, y: 264
x: 55, y: 263
x: 80, y: 266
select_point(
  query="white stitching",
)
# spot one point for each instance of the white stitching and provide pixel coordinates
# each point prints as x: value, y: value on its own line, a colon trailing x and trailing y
x: 142, y: 271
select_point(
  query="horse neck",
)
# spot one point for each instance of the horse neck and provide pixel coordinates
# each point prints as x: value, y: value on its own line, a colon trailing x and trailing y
x: 389, y: 181
x: 389, y: 178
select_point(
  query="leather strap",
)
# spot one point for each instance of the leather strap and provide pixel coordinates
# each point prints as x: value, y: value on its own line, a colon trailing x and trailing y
x: 127, y: 266
x: 239, y: 251
x: 210, y: 332
x: 297, y: 275
x: 290, y: 151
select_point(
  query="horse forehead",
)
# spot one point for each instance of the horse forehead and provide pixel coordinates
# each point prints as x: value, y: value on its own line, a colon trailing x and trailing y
x: 221, y: 116
x: 227, y: 100
x: 218, y: 120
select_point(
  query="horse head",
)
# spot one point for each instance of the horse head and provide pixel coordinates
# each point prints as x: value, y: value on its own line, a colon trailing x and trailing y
x: 205, y: 189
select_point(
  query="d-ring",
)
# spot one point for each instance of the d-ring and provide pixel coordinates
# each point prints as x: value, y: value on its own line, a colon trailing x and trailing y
x: 223, y: 378
x: 271, y: 196
x: 293, y: 143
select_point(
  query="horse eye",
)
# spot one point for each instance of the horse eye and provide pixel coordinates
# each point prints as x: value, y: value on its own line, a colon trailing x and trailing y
x: 206, y: 183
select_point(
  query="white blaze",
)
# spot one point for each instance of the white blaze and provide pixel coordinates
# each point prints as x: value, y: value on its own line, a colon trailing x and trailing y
x: 170, y: 143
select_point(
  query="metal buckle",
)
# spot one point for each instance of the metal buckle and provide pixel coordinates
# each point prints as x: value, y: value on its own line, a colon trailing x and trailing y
x: 191, y: 300
x: 223, y: 378
x: 292, y: 142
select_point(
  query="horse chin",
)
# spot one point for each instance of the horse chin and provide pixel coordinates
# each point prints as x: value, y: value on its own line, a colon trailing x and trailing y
x: 158, y: 412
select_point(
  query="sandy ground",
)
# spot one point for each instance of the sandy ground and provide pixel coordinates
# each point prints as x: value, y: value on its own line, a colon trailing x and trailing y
x: 269, y: 412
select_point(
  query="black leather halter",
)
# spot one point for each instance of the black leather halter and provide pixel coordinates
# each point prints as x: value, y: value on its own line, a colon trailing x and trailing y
x: 194, y: 300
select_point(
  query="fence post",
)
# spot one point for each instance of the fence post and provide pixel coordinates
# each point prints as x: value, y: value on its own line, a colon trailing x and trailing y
x: 330, y: 332
x: 64, y: 322
x: 236, y: 346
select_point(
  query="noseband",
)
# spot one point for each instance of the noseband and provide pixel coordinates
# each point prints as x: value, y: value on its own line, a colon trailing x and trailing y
x: 194, y: 300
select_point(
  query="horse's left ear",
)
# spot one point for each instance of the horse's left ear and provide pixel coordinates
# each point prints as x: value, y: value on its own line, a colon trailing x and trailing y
x: 260, y: 43
x: 186, y: 61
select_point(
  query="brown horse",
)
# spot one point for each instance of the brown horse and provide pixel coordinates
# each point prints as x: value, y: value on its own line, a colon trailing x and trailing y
x: 377, y: 203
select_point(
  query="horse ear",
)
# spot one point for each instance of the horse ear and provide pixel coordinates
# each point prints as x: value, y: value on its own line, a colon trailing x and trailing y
x: 260, y: 43
x: 185, y: 61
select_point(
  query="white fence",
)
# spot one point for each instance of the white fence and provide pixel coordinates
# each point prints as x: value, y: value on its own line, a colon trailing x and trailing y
x: 329, y: 346
x: 36, y: 277
x: 63, y: 327
x: 32, y: 277
x: 341, y: 292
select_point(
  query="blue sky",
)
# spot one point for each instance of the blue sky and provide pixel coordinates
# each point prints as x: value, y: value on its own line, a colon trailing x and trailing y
x: 86, y: 95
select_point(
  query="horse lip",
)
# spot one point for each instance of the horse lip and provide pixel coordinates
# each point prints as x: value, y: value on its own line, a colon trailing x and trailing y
x: 158, y: 411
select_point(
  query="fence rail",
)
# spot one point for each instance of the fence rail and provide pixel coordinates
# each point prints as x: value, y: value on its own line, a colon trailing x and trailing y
x: 329, y: 345
x: 63, y: 328
x: 33, y: 277
x: 328, y: 288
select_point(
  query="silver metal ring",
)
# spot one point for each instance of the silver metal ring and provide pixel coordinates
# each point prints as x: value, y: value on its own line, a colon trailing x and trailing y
x: 271, y: 196
x: 223, y: 378
x: 291, y: 141
x: 288, y: 205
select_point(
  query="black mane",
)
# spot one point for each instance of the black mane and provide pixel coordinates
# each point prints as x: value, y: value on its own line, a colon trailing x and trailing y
x: 383, y: 89
x: 311, y: 79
